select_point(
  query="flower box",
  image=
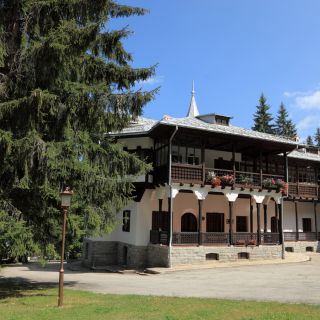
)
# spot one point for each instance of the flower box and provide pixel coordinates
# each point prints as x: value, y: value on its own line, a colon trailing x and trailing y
x: 227, y: 180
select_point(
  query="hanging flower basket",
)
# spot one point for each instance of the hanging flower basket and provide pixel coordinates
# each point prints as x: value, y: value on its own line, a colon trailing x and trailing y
x: 276, y: 184
x: 245, y: 180
x: 227, y: 180
x: 213, y: 179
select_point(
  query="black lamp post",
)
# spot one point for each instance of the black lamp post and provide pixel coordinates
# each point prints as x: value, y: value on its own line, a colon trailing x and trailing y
x: 66, y: 196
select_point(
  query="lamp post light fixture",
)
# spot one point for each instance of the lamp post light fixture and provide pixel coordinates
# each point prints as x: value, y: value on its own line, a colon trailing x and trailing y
x: 66, y: 196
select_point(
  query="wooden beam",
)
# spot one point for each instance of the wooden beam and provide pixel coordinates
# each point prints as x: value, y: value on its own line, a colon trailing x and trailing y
x: 297, y: 219
x: 230, y: 222
x: 200, y: 221
x: 251, y: 216
x: 265, y: 218
x: 315, y: 219
x: 258, y: 223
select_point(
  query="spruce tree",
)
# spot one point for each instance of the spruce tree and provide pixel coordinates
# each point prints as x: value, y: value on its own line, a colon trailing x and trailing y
x: 283, y: 125
x: 309, y: 141
x: 317, y: 137
x: 262, y: 118
x: 65, y: 81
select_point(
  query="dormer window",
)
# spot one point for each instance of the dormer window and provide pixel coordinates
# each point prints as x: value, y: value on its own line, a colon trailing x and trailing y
x: 221, y: 121
x: 215, y: 119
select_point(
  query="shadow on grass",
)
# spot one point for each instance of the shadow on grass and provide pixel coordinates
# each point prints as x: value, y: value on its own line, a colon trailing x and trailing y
x: 20, y: 287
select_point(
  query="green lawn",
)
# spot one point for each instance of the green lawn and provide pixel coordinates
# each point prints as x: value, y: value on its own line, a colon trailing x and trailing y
x: 41, y: 304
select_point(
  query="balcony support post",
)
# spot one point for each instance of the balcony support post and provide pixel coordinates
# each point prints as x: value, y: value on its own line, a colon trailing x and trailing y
x: 265, y: 218
x: 277, y: 216
x: 315, y: 219
x: 170, y: 227
x: 251, y: 216
x: 160, y: 213
x: 297, y: 180
x: 285, y: 165
x: 234, y: 161
x: 200, y: 222
x: 297, y: 220
x: 260, y: 167
x: 230, y: 222
x: 280, y: 223
x: 258, y: 223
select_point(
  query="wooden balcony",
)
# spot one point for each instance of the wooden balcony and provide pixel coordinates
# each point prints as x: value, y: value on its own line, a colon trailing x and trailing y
x: 197, y: 174
x: 303, y: 190
x: 213, y: 238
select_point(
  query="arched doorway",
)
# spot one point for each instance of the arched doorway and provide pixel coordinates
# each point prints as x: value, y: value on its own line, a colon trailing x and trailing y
x: 274, y: 224
x: 189, y: 223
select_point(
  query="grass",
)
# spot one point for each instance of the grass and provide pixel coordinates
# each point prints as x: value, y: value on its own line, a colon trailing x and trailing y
x: 41, y: 304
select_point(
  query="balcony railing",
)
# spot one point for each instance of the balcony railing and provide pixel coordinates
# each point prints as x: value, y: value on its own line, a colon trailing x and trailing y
x: 300, y: 236
x: 303, y: 189
x: 213, y: 238
x: 197, y: 174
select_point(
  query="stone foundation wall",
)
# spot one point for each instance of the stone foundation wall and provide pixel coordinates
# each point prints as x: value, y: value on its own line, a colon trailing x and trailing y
x: 99, y: 253
x: 106, y: 253
x: 187, y: 255
x: 301, y: 246
x: 157, y: 256
x: 103, y: 253
x: 132, y: 256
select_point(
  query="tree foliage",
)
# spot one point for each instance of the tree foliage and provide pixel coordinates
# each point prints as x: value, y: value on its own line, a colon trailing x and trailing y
x: 309, y: 141
x: 283, y: 125
x: 262, y: 117
x: 317, y: 137
x: 65, y: 81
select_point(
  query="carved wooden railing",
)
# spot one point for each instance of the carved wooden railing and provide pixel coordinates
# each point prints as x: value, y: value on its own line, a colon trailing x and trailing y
x: 187, y: 173
x: 185, y: 238
x: 300, y: 236
x: 159, y: 237
x: 213, y: 238
x: 303, y: 189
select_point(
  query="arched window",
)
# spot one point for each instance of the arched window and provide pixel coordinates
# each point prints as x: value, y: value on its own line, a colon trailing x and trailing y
x: 189, y: 223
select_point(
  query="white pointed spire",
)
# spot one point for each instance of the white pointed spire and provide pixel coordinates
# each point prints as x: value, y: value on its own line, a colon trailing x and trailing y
x: 193, y: 109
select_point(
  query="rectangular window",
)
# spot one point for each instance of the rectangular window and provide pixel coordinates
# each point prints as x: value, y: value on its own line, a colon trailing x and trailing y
x: 215, y: 222
x: 306, y: 224
x: 160, y: 221
x: 126, y: 221
x: 241, y: 224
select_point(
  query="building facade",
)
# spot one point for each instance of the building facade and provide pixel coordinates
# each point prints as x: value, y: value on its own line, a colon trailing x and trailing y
x: 216, y: 192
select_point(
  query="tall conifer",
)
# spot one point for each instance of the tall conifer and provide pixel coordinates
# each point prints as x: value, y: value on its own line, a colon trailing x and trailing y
x: 65, y: 81
x: 317, y: 137
x: 309, y: 141
x: 262, y: 117
x: 283, y: 125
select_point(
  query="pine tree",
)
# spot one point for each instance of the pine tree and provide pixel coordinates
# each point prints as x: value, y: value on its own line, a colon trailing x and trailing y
x: 317, y: 137
x: 262, y: 118
x: 309, y: 141
x: 284, y: 126
x: 65, y: 81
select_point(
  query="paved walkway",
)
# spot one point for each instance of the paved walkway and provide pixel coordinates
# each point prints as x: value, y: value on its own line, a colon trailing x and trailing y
x: 292, y: 282
x: 290, y: 258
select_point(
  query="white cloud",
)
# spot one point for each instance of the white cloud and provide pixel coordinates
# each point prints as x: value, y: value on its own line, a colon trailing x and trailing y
x: 311, y: 101
x: 308, y: 122
x: 152, y: 80
x: 292, y: 94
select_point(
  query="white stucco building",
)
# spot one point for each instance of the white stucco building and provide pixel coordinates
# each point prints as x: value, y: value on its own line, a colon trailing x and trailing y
x: 216, y: 191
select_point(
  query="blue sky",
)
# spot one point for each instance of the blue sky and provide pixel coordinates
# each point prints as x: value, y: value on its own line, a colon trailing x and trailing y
x: 234, y: 51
